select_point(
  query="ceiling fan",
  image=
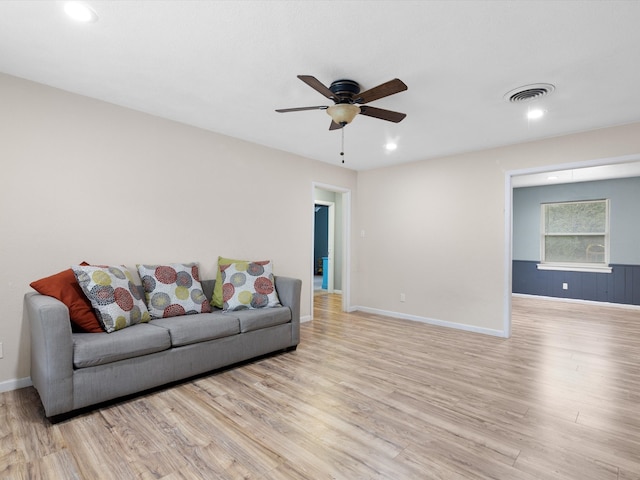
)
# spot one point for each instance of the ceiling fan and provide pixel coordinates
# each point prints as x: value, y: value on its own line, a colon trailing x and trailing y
x: 349, y: 101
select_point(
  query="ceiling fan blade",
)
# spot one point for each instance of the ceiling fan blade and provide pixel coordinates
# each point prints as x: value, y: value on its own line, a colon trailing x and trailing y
x: 382, y: 114
x: 384, y: 90
x: 299, y: 109
x: 317, y: 85
x: 335, y: 126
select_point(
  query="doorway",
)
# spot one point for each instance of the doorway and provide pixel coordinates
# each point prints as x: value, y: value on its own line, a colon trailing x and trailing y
x: 330, y: 240
x: 324, y: 247
x: 591, y: 170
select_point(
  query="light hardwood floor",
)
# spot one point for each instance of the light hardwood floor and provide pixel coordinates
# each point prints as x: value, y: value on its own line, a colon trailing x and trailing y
x: 366, y: 396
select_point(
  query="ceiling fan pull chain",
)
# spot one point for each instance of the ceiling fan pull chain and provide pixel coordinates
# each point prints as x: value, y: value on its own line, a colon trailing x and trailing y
x: 342, y: 151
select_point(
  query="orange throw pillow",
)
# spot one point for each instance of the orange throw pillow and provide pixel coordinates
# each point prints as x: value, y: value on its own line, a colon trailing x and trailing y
x: 65, y: 288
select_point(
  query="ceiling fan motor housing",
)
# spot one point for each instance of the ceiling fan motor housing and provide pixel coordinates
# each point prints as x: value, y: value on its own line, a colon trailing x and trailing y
x: 345, y: 90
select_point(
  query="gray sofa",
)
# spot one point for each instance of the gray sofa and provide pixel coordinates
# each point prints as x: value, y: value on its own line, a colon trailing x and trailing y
x: 75, y: 370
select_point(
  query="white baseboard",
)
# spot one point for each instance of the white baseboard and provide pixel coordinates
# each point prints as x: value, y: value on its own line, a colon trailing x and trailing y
x: 305, y: 318
x: 431, y: 321
x: 15, y: 384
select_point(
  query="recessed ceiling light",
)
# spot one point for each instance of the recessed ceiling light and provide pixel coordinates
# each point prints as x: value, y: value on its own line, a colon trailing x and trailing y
x: 391, y: 146
x: 552, y: 178
x: 535, y: 113
x: 80, y: 12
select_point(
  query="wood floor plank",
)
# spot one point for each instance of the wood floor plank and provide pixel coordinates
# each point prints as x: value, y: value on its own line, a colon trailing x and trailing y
x: 371, y: 397
x: 97, y: 452
x: 56, y: 465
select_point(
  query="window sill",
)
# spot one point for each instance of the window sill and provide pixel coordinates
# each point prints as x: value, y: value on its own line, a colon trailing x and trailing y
x: 575, y: 268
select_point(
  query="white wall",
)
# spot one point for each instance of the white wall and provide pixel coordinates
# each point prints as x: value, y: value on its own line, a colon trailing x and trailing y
x: 86, y: 180
x: 434, y: 230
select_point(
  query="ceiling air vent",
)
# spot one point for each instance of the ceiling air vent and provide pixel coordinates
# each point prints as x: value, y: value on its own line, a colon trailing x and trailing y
x: 529, y: 92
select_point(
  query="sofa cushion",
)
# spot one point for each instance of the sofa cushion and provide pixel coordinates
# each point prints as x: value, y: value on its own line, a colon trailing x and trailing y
x: 113, y: 295
x: 248, y: 285
x: 198, y: 328
x: 65, y: 287
x: 91, y: 349
x: 172, y: 290
x: 261, y: 318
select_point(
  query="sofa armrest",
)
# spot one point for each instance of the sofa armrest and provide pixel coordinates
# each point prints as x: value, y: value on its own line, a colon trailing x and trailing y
x: 289, y: 294
x: 51, y: 352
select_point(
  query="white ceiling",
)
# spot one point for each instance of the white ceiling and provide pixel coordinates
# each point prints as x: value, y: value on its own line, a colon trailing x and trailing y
x: 226, y: 66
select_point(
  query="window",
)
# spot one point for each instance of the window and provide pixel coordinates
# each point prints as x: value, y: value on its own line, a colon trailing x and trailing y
x: 575, y: 236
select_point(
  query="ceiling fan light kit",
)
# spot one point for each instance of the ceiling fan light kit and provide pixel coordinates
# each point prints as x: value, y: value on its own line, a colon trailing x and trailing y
x: 343, y: 113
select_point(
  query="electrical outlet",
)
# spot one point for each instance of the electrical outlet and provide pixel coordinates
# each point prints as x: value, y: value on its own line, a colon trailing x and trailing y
x: 565, y: 286
x: 402, y: 297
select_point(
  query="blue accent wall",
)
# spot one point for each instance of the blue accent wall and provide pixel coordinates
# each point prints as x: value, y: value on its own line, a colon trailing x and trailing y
x: 620, y: 286
x: 321, y: 240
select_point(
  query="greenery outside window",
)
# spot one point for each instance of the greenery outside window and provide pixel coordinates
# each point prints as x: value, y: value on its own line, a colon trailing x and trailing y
x: 575, y: 236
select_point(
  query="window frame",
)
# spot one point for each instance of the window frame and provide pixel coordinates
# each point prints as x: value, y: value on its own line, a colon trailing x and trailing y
x: 597, y: 267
